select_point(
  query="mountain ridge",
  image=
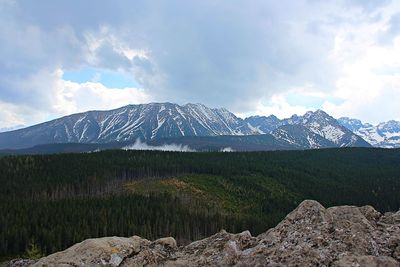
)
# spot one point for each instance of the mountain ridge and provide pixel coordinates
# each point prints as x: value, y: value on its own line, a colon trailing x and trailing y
x: 156, y: 121
x: 384, y: 134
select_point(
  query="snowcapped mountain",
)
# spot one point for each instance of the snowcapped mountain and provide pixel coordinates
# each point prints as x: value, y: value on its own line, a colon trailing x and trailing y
x: 326, y: 126
x: 160, y: 121
x: 145, y: 121
x: 385, y: 134
x: 318, y: 122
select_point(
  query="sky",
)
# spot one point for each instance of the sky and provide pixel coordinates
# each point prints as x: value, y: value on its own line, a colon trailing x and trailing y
x: 257, y: 57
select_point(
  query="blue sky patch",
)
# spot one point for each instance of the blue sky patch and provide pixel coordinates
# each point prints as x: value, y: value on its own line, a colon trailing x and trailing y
x: 110, y: 79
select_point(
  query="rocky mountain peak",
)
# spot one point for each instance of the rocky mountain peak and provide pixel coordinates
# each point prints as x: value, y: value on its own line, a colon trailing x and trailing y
x: 385, y: 134
x: 318, y: 115
x: 311, y: 235
x: 326, y: 126
x: 351, y: 124
x: 391, y: 126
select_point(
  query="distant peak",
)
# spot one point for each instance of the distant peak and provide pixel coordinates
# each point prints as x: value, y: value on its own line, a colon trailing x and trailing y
x: 273, y: 117
x: 393, y: 122
x: 317, y: 113
x: 320, y: 111
x: 350, y: 120
x: 295, y: 116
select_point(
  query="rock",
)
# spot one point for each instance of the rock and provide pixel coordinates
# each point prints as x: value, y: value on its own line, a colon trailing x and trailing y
x: 370, y: 213
x: 167, y: 241
x: 110, y: 251
x: 311, y: 235
x: 371, y: 261
x: 220, y: 249
x: 396, y: 253
x: 115, y: 259
x: 18, y: 263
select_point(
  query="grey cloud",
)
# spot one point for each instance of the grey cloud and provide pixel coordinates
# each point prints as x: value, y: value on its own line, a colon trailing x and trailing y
x: 109, y: 58
x: 80, y: 15
x: 229, y: 53
x: 220, y: 53
x: 392, y: 31
x: 368, y: 5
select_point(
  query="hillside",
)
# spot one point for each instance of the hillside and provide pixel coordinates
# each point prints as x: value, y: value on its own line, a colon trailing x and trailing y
x: 55, y: 201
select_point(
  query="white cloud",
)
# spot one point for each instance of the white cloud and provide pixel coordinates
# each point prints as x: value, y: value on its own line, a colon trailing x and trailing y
x: 279, y: 107
x: 10, y: 115
x: 78, y: 97
x: 62, y: 97
x: 248, y: 57
x: 369, y: 71
x: 138, y: 145
x: 227, y: 149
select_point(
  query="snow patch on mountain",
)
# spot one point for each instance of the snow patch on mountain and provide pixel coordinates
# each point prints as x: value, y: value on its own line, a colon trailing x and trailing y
x: 318, y: 122
x: 156, y: 121
x: 385, y: 134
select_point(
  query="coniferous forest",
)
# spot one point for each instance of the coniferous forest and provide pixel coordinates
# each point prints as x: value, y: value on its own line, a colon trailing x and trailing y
x: 54, y: 201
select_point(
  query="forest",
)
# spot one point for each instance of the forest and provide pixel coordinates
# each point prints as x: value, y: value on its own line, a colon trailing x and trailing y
x: 54, y: 201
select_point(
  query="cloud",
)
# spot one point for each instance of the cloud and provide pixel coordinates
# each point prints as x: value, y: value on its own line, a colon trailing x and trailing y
x: 366, y: 56
x: 138, y: 145
x: 12, y: 115
x: 246, y: 56
x: 227, y: 149
x: 78, y: 97
x: 280, y: 107
x: 47, y: 93
x: 239, y: 53
x: 369, y: 70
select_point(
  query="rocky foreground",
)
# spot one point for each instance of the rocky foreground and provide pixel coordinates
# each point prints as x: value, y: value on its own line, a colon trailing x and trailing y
x: 311, y: 235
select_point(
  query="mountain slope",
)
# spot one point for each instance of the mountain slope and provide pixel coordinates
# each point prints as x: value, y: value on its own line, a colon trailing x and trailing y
x: 326, y: 126
x: 385, y: 134
x: 263, y: 124
x: 145, y: 121
x: 158, y: 121
x: 301, y: 137
x: 261, y: 142
x: 318, y: 122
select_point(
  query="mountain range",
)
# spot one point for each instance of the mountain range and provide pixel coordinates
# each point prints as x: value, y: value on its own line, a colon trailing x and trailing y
x: 201, y: 127
x: 385, y: 134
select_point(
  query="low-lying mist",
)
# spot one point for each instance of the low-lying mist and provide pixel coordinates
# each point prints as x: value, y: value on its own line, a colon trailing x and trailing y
x: 139, y: 145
